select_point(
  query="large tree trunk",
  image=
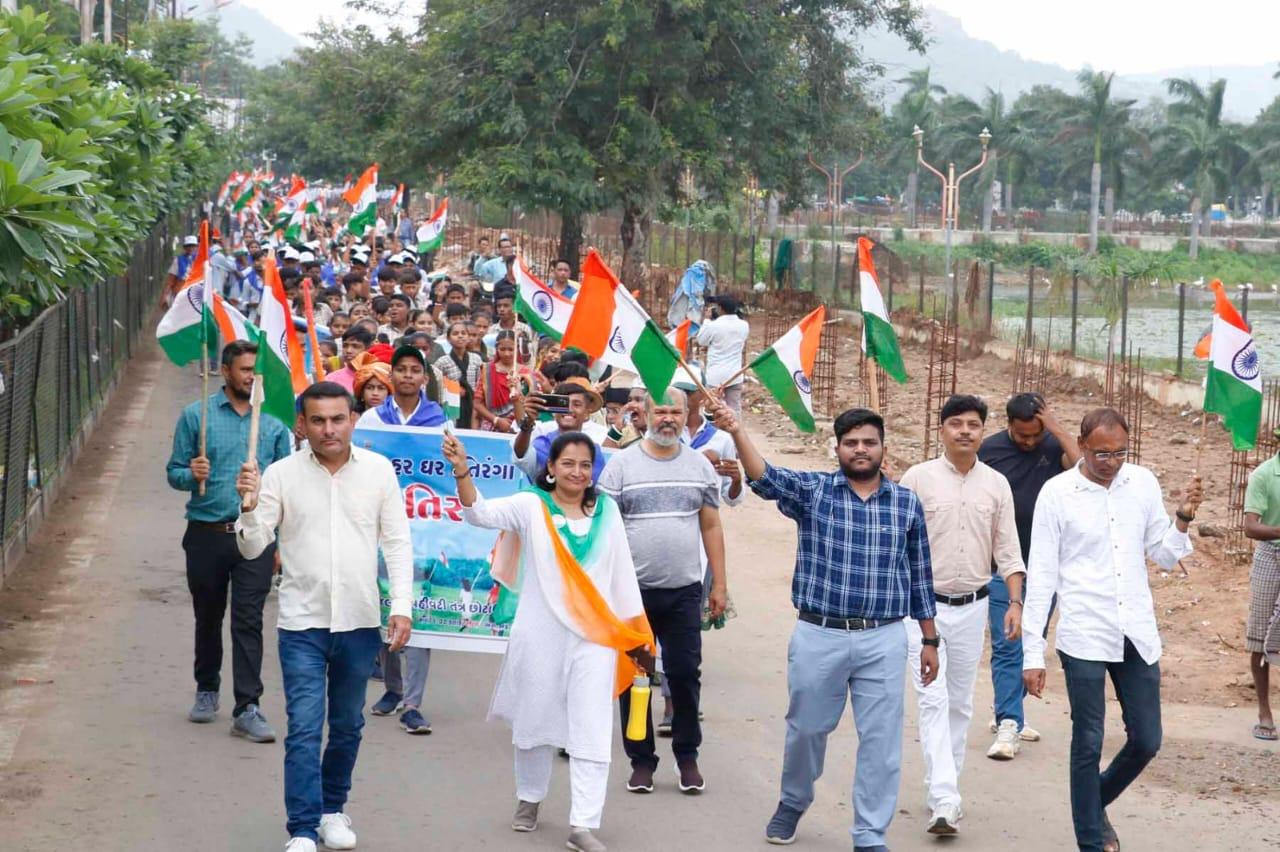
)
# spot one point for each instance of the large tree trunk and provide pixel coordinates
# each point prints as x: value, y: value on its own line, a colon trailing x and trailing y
x: 1195, y: 226
x: 909, y: 200
x: 1095, y: 189
x: 571, y: 238
x: 635, y: 245
x: 1109, y: 209
x: 86, y: 21
x: 106, y: 21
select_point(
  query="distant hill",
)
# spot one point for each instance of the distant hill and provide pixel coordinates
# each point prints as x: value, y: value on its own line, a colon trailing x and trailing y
x: 270, y: 42
x: 969, y: 65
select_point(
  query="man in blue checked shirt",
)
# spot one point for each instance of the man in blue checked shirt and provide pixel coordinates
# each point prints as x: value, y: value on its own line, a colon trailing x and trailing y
x: 862, y: 566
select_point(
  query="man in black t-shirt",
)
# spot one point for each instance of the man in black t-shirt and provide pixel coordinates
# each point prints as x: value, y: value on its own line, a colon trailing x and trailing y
x: 1031, y: 451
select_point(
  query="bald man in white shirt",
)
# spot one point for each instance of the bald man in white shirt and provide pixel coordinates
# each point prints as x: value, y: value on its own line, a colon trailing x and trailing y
x: 1094, y: 528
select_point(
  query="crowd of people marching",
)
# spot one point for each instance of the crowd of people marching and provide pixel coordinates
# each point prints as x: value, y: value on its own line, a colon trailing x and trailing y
x: 622, y: 562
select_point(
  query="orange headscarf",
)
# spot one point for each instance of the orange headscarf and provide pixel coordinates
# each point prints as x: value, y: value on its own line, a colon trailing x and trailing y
x: 368, y: 367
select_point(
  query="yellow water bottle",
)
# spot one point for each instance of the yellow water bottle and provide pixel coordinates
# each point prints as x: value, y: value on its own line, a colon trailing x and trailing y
x: 638, y: 718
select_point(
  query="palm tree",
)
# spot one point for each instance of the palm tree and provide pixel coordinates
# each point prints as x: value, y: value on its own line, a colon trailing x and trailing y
x: 1011, y: 143
x: 1094, y: 116
x: 1197, y: 147
x: 916, y: 108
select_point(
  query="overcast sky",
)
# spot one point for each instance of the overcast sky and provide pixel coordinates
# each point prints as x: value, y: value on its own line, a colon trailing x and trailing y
x: 1129, y: 36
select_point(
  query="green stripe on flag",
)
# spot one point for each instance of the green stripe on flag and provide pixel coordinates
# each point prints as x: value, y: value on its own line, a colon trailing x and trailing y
x: 882, y: 344
x: 655, y: 359
x: 183, y: 346
x: 1239, y: 404
x: 365, y: 219
x: 432, y: 244
x: 777, y: 379
x: 277, y: 383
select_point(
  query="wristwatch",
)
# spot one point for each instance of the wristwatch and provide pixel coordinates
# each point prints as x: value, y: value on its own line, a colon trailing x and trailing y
x: 933, y: 642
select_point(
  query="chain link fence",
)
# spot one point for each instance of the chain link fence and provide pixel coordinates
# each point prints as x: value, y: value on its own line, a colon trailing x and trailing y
x: 55, y: 378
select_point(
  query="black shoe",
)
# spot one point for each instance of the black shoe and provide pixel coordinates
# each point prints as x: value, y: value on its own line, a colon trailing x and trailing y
x: 641, y: 780
x: 781, y: 830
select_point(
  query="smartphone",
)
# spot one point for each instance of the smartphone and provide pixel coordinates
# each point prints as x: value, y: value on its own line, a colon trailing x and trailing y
x: 553, y: 403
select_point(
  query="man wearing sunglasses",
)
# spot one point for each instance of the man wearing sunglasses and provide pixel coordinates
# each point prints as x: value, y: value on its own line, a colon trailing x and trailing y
x: 1094, y: 528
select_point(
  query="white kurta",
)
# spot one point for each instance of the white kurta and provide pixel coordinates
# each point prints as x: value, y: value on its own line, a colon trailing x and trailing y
x: 555, y: 687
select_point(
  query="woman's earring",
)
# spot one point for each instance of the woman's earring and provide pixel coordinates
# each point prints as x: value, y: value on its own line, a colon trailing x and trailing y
x: 551, y: 480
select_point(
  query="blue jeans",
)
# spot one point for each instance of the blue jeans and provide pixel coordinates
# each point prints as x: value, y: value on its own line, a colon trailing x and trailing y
x: 1006, y: 658
x: 1137, y: 686
x: 824, y: 665
x: 315, y: 663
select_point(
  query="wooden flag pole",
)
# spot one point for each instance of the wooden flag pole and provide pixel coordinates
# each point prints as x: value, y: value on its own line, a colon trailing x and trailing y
x: 256, y: 397
x: 873, y: 385
x: 1204, y: 424
x: 313, y: 337
x: 204, y: 399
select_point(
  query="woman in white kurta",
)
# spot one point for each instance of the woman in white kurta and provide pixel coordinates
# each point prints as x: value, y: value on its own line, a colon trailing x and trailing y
x: 575, y: 580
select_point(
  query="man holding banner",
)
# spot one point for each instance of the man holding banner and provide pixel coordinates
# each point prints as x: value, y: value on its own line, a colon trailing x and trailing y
x: 580, y: 633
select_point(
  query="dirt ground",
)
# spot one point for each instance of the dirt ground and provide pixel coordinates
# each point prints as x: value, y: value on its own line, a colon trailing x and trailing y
x: 95, y: 751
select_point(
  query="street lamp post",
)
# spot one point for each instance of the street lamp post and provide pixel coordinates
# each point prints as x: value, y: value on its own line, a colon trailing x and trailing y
x: 835, y: 191
x: 951, y: 205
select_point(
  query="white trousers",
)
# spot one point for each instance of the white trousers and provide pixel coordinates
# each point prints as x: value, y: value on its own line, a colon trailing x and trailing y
x: 588, y: 782
x: 946, y: 705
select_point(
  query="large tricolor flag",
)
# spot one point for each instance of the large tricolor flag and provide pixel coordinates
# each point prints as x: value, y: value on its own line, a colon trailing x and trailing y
x: 608, y: 324
x: 289, y: 215
x: 546, y: 311
x: 878, y: 338
x: 786, y: 368
x: 1233, y: 385
x: 188, y: 327
x: 224, y: 194
x: 431, y: 234
x: 279, y: 350
x: 363, y: 198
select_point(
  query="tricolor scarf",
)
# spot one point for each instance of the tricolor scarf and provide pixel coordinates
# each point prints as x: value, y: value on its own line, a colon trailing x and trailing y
x: 581, y: 604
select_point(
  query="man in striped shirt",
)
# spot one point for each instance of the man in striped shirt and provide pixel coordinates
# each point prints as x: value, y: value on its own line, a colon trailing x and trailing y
x: 669, y: 496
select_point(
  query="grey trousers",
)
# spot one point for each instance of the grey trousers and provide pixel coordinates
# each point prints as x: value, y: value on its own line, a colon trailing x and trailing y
x: 417, y: 664
x: 824, y: 665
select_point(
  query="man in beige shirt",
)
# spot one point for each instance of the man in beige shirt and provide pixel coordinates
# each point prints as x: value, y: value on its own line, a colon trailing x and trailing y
x: 968, y: 510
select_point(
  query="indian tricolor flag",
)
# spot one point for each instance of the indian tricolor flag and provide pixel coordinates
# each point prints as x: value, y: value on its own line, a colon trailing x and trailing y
x: 546, y: 311
x: 608, y: 324
x: 279, y: 350
x: 1233, y: 386
x: 786, y: 368
x: 289, y: 215
x: 450, y: 396
x: 878, y: 339
x: 199, y: 317
x: 431, y: 234
x: 363, y: 198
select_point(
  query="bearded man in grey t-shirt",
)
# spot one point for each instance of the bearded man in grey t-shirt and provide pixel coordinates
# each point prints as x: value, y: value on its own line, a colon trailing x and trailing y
x: 668, y: 493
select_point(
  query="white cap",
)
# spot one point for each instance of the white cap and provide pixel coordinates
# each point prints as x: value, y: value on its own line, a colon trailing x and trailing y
x: 306, y: 257
x: 190, y: 240
x: 398, y: 257
x: 290, y: 253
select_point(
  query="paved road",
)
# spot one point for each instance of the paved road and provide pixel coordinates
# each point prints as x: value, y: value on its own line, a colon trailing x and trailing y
x: 96, y: 753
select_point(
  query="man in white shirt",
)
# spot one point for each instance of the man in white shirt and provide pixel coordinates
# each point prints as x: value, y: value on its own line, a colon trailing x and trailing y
x: 333, y: 506
x: 724, y: 335
x: 969, y: 516
x: 1094, y: 528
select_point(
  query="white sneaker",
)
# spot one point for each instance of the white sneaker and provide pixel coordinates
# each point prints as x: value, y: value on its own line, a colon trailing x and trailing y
x: 335, y: 831
x: 944, y: 820
x: 300, y: 844
x: 1029, y: 734
x: 1007, y: 743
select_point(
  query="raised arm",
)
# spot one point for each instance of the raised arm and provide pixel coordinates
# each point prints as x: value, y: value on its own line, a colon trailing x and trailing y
x: 752, y: 462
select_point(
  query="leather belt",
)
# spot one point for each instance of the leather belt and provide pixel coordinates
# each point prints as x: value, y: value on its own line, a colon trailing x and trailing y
x: 228, y: 527
x: 961, y: 600
x: 845, y: 623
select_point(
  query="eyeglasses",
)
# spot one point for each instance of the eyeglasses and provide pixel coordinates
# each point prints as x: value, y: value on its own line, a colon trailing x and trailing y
x: 1118, y: 455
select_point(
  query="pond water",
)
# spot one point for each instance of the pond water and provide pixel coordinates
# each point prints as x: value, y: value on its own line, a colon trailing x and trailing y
x: 1152, y: 325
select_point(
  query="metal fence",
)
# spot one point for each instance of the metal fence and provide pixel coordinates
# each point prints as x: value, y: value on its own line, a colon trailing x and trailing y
x: 56, y: 374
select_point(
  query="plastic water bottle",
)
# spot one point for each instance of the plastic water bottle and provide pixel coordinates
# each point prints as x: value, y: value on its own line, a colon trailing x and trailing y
x: 638, y: 718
